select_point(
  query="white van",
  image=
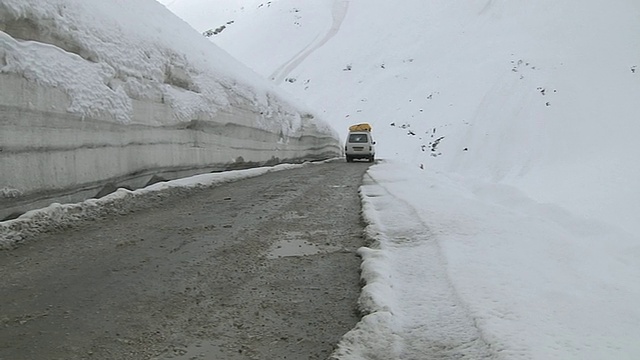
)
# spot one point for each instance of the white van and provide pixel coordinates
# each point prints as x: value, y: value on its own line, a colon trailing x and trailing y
x: 360, y: 144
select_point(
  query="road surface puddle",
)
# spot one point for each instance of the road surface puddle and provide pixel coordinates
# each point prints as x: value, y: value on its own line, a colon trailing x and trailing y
x: 292, y: 248
x: 294, y: 243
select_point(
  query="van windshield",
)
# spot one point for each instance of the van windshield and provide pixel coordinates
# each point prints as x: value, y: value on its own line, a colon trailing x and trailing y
x: 358, y: 138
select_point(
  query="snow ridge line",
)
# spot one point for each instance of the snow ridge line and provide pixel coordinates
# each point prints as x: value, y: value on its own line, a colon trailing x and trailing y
x: 397, y: 234
x: 56, y: 216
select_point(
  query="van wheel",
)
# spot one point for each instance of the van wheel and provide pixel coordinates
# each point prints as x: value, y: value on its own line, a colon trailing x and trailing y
x: 349, y: 159
x: 371, y: 158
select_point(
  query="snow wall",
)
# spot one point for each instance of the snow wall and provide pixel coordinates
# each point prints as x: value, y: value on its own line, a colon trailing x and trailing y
x: 99, y: 95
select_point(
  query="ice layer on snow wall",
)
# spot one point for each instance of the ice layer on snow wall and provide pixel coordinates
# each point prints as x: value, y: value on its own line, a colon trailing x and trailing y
x: 50, y: 155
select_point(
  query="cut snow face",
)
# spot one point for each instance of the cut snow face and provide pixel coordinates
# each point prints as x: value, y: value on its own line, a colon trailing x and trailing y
x: 133, y: 52
x: 76, y: 75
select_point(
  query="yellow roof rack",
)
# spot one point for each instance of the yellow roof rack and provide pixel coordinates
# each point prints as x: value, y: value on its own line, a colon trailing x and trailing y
x: 360, y: 127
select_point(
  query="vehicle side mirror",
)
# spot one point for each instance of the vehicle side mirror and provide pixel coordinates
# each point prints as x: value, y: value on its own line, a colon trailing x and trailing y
x: 373, y: 142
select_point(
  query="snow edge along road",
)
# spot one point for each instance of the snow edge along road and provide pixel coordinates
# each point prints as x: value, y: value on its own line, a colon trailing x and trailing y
x: 15, y: 232
x: 376, y: 335
x: 410, y: 307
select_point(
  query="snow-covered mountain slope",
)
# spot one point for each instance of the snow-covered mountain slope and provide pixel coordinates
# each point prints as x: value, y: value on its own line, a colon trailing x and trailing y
x: 95, y: 92
x: 537, y: 95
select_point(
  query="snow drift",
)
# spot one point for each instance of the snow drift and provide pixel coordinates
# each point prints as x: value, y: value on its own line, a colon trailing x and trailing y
x: 115, y: 92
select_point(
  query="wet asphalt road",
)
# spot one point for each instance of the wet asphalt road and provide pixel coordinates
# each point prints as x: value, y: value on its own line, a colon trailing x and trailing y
x: 262, y: 268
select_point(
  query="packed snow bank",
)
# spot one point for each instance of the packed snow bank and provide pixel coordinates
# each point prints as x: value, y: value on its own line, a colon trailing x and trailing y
x: 96, y: 92
x: 477, y: 270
